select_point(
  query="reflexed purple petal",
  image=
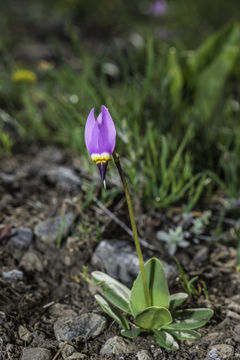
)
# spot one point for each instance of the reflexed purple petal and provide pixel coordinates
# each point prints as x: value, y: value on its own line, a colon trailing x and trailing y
x: 108, y: 131
x: 93, y: 147
x: 100, y: 134
x: 90, y: 124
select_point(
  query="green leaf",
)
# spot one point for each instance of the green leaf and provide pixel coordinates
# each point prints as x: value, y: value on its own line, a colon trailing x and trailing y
x: 157, y: 285
x: 131, y: 334
x: 177, y: 299
x: 113, y: 312
x: 166, y: 340
x: 189, y: 319
x: 210, y: 82
x: 175, y: 75
x: 115, y: 292
x: 210, y: 48
x: 185, y: 334
x: 153, y: 318
x: 191, y: 281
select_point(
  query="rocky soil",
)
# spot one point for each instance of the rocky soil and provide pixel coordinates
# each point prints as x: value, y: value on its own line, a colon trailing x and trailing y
x: 48, y: 231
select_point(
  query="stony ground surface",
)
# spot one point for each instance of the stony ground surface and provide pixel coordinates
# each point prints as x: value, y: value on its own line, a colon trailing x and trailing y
x: 47, y: 233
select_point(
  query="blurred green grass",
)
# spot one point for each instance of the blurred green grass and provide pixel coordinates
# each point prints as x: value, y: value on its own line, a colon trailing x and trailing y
x: 176, y: 111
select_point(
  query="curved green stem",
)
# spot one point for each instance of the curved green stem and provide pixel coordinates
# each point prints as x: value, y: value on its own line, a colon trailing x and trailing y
x: 134, y: 228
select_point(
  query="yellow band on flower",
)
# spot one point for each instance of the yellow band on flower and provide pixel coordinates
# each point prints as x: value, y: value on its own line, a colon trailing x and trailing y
x: 101, y: 158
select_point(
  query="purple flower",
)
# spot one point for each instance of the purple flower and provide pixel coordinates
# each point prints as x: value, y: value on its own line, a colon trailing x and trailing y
x: 100, y: 137
x: 158, y: 8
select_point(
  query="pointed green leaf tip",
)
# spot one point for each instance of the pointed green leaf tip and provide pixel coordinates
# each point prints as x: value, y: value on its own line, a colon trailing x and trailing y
x: 115, y: 292
x: 166, y: 340
x: 177, y: 299
x: 185, y: 334
x: 153, y: 318
x: 114, y: 313
x: 189, y: 319
x: 157, y: 285
x: 132, y: 334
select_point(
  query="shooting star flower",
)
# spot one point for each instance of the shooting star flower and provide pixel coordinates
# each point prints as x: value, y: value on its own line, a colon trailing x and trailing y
x: 100, y: 137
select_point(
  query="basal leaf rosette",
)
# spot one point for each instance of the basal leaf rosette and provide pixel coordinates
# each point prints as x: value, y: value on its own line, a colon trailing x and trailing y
x: 168, y: 324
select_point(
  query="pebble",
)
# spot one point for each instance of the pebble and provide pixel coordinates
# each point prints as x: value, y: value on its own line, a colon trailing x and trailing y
x: 235, y: 279
x: 144, y: 355
x: 50, y: 155
x: 77, y: 356
x: 31, y: 170
x: 67, y: 260
x: 9, y: 348
x: 8, y: 179
x: 157, y: 352
x: 117, y: 346
x: 12, y: 276
x: 24, y: 334
x: 119, y: 259
x: 212, y: 354
x: 84, y: 326
x: 236, y: 298
x: 61, y: 310
x: 21, y: 238
x: 220, y: 352
x: 67, y: 351
x: 235, y: 307
x: 34, y: 52
x: 201, y: 255
x: 48, y: 230
x: 236, y: 333
x: 31, y: 262
x: 233, y: 315
x: 5, y: 325
x: 3, y: 318
x: 63, y: 177
x: 212, y: 338
x: 36, y: 354
x: 38, y: 339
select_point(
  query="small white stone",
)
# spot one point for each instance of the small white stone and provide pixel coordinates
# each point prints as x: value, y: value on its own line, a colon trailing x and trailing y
x: 31, y: 262
x: 222, y: 351
x: 36, y: 354
x: 67, y: 351
x: 233, y: 315
x: 24, y: 334
x: 84, y: 326
x: 144, y: 355
x: 117, y: 346
x: 12, y: 275
x: 77, y: 356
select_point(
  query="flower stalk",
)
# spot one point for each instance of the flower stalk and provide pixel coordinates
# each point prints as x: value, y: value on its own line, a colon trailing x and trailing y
x: 100, y: 139
x: 134, y: 227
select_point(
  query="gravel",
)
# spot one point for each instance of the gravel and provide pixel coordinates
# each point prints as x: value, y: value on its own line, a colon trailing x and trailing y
x: 48, y: 231
x: 36, y: 354
x: 117, y: 346
x: 84, y: 326
x: 21, y: 238
x: 220, y: 352
x: 12, y: 276
x: 31, y: 262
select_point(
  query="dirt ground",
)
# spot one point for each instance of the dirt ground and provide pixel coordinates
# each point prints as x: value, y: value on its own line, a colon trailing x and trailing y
x: 49, y: 285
